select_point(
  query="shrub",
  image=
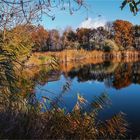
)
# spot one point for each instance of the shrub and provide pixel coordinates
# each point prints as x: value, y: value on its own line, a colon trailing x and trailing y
x: 110, y: 45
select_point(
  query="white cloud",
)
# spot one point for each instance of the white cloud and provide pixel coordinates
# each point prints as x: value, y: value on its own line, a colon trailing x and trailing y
x: 92, y: 23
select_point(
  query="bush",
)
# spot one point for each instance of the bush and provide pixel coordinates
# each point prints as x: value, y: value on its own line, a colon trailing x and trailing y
x: 110, y: 45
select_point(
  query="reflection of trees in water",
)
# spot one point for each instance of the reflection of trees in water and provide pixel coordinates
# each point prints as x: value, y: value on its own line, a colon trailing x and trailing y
x: 91, y: 72
x: 122, y: 76
x: 46, y: 74
x: 20, y: 110
x: 118, y: 75
x: 127, y: 74
x: 21, y: 117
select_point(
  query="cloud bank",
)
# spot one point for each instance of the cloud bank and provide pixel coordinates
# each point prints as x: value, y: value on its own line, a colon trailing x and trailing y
x: 92, y: 23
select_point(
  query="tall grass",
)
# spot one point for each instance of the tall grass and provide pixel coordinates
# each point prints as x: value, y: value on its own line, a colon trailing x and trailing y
x: 24, y: 119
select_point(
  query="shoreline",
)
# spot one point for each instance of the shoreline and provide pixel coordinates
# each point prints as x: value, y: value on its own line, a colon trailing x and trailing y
x: 66, y: 56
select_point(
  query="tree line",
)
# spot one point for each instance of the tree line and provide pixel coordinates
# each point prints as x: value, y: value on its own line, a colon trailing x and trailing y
x: 114, y: 36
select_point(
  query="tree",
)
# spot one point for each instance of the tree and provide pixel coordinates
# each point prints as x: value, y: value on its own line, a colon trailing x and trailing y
x: 40, y: 38
x: 98, y: 37
x: 71, y: 36
x: 54, y: 41
x: 123, y: 34
x: 136, y: 34
x: 109, y: 29
x: 83, y: 36
x: 18, y: 42
x: 64, y: 38
x: 69, y: 39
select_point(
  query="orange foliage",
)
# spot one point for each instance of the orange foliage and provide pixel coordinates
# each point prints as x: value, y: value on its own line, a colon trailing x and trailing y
x: 123, y: 77
x: 123, y: 33
x: 40, y: 37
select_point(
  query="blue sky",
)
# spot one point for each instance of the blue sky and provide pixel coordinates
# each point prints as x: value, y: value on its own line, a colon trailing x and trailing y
x: 108, y: 9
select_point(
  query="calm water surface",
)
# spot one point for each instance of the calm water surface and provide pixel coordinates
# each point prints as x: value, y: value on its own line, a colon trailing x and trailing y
x: 121, y: 81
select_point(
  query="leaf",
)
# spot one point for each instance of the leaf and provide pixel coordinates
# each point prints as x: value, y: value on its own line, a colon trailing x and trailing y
x: 81, y: 99
x: 135, y: 6
x: 131, y: 8
x: 101, y: 101
x: 123, y: 4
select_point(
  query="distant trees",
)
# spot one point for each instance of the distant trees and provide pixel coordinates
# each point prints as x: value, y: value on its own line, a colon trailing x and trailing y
x: 101, y: 36
x: 110, y: 29
x: 136, y: 34
x: 123, y: 34
x: 83, y: 36
x: 91, y: 38
x: 69, y: 39
x: 71, y: 36
x: 115, y: 36
x: 40, y: 38
x: 54, y: 41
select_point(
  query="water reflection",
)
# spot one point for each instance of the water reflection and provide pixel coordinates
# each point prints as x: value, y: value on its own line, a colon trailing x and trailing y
x: 68, y: 87
x: 120, y: 80
x: 117, y: 75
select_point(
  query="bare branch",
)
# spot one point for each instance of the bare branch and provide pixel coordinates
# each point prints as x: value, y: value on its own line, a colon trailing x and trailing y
x: 13, y: 12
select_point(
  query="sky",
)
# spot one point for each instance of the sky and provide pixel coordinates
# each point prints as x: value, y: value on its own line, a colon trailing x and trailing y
x: 99, y: 12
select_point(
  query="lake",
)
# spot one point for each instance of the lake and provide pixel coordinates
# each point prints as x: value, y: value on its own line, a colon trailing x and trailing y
x: 119, y: 80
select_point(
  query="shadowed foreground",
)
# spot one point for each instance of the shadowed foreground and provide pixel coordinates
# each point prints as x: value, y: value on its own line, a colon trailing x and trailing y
x: 24, y: 119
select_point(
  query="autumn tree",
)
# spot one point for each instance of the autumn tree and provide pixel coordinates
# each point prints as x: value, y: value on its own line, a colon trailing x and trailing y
x: 64, y: 38
x: 92, y: 38
x: 18, y: 42
x: 123, y: 34
x: 83, y: 36
x: 136, y: 34
x: 72, y: 36
x: 54, y: 40
x: 69, y: 39
x: 40, y: 38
